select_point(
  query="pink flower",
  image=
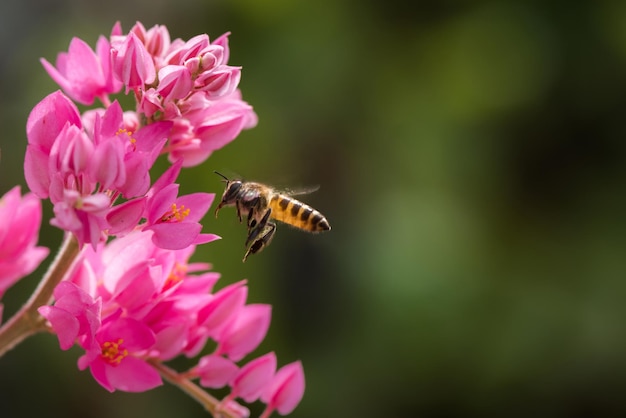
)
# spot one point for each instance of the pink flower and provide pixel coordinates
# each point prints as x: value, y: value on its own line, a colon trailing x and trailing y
x: 118, y: 363
x: 253, y: 378
x: 54, y: 114
x: 19, y: 230
x: 83, y: 216
x: 74, y: 315
x: 211, y: 125
x: 222, y: 42
x: 122, y: 158
x: 82, y: 73
x: 215, y: 371
x: 224, y: 305
x: 245, y: 331
x: 214, y: 315
x: 223, y: 81
x: 132, y: 63
x: 174, y: 82
x: 285, y: 391
x: 175, y: 220
x: 156, y: 39
x: 71, y: 165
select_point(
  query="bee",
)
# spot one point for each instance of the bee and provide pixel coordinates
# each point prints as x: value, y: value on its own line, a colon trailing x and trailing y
x: 259, y: 203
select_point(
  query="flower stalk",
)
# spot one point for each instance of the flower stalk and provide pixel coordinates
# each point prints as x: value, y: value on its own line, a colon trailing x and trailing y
x: 208, y: 402
x: 27, y: 321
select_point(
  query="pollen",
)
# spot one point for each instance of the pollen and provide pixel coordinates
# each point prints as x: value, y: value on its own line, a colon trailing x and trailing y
x: 176, y: 214
x: 176, y: 275
x: 133, y: 141
x: 113, y: 352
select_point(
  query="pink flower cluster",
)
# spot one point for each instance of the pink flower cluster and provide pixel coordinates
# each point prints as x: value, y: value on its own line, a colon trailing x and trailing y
x: 129, y: 303
x: 187, y: 106
x: 132, y: 300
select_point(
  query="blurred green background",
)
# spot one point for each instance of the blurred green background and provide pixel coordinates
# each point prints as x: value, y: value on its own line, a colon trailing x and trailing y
x: 471, y: 158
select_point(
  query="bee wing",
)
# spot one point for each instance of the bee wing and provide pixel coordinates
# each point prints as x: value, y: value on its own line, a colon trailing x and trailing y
x: 301, y: 190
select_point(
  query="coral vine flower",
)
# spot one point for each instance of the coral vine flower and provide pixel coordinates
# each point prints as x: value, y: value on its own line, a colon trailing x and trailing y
x: 245, y: 331
x: 286, y: 390
x: 45, y: 122
x: 82, y: 73
x: 215, y: 371
x: 119, y: 362
x: 253, y: 378
x: 175, y: 220
x: 74, y: 315
x: 132, y: 63
x: 19, y: 230
x: 208, y: 125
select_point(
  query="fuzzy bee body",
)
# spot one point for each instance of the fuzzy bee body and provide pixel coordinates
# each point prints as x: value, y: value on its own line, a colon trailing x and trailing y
x: 259, y: 203
x: 295, y: 213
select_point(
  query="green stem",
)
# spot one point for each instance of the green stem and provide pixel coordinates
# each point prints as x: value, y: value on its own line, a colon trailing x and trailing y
x: 27, y: 320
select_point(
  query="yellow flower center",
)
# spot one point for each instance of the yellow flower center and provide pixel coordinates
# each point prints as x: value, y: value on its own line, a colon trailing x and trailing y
x: 176, y: 214
x: 113, y: 352
x: 176, y: 275
x: 132, y: 140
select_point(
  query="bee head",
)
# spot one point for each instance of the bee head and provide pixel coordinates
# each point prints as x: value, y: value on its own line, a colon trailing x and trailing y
x: 230, y: 192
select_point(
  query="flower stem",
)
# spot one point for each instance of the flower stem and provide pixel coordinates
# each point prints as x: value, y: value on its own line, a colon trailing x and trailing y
x: 210, y: 403
x: 27, y: 320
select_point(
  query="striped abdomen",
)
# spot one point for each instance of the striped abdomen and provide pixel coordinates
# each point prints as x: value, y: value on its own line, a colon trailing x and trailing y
x: 293, y: 212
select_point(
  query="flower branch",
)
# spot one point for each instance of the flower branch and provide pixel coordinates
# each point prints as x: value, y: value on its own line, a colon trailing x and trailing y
x: 27, y: 321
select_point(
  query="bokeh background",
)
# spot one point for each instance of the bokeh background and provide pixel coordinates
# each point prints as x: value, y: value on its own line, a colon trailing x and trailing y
x: 471, y: 157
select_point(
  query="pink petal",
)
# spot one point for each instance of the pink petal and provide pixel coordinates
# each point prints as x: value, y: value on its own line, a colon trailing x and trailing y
x: 254, y: 377
x: 48, y: 118
x: 167, y: 178
x: 98, y: 369
x: 133, y: 375
x: 133, y: 64
x: 136, y: 335
x: 205, y: 238
x: 36, y: 171
x: 103, y: 50
x: 215, y: 371
x: 111, y: 120
x: 161, y: 202
x: 199, y: 203
x: 136, y: 287
x: 171, y: 340
x: 106, y: 165
x: 137, y: 176
x: 224, y: 305
x: 286, y: 389
x: 174, y: 82
x: 151, y: 138
x: 223, y: 42
x: 245, y: 332
x: 123, y: 218
x: 174, y: 236
x: 64, y: 324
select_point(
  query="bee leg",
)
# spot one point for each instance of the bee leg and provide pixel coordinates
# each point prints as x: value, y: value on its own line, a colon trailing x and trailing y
x: 251, y: 219
x: 262, y: 241
x: 254, y: 207
x: 259, y: 227
x: 238, y: 206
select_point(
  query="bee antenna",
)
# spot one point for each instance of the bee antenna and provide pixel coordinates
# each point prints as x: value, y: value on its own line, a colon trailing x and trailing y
x: 221, y: 175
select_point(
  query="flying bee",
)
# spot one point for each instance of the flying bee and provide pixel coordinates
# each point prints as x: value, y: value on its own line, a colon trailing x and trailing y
x: 260, y: 203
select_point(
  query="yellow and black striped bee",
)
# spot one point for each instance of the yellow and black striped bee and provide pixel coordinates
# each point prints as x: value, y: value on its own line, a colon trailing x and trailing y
x: 260, y: 203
